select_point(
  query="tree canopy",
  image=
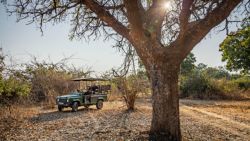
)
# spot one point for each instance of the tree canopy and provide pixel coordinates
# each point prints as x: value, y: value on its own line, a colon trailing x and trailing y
x: 93, y: 18
x: 236, y: 50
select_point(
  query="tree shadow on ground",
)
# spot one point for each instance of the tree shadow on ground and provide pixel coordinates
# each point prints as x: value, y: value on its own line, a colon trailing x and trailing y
x: 56, y: 115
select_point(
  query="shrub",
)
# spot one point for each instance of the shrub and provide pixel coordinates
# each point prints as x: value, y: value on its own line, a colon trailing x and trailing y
x: 198, y: 86
x: 227, y: 86
x: 13, y: 88
x: 50, y: 80
x: 130, y: 87
x: 232, y: 89
x: 243, y: 83
x: 216, y: 73
x: 48, y: 83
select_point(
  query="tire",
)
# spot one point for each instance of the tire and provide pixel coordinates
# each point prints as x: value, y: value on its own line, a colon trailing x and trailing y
x: 60, y: 108
x: 75, y: 107
x: 99, y: 104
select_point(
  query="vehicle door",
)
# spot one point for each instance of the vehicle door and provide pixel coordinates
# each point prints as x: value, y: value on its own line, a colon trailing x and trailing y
x: 94, y: 98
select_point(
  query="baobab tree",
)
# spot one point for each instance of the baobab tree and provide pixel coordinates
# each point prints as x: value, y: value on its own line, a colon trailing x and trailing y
x: 162, y: 32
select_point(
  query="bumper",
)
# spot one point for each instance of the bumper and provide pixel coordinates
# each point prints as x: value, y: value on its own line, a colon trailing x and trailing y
x: 63, y: 104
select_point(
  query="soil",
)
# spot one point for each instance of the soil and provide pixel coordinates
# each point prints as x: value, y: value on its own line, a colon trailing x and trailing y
x: 200, y: 120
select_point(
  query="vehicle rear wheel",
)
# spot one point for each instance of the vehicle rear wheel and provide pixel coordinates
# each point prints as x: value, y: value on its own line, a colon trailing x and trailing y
x: 60, y: 108
x: 75, y: 107
x: 99, y: 104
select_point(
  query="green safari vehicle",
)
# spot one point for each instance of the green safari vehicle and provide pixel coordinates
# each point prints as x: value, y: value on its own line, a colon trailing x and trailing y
x: 92, y: 95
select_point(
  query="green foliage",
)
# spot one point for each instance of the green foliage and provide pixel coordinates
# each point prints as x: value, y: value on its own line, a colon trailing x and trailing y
x: 16, y: 87
x: 214, y: 83
x: 236, y: 50
x: 216, y: 73
x: 38, y: 81
x: 226, y: 86
x: 188, y: 65
x: 13, y: 85
x: 196, y: 85
x: 234, y: 88
x: 243, y: 82
x: 204, y: 82
x: 13, y: 88
x: 201, y: 67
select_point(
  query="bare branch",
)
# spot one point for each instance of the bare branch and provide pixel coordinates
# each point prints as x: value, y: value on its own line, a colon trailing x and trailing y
x: 114, y: 7
x: 134, y: 16
x: 184, y: 15
x: 105, y: 16
x: 198, y: 29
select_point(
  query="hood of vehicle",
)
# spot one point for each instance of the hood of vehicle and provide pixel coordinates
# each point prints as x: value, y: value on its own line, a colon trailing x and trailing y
x: 71, y: 95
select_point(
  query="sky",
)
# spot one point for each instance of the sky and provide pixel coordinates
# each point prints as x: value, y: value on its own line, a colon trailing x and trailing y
x: 22, y: 41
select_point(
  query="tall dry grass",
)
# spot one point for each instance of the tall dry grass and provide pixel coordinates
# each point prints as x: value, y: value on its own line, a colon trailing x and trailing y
x: 12, y: 116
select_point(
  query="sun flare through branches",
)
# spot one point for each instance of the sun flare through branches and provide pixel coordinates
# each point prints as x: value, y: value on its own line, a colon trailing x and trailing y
x: 167, y: 5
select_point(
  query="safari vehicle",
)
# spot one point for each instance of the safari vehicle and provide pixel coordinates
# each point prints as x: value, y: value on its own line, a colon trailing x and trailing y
x: 91, y: 95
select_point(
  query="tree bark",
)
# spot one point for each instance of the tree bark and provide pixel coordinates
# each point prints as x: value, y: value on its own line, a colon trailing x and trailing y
x: 162, y: 66
x: 165, y: 124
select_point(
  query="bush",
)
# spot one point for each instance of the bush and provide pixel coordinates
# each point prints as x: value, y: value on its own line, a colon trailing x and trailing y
x: 198, y: 86
x: 48, y: 83
x: 12, y: 84
x: 13, y: 88
x: 232, y: 89
x: 130, y: 87
x: 243, y: 83
x: 216, y: 73
x: 236, y: 85
x: 51, y: 79
x: 227, y: 86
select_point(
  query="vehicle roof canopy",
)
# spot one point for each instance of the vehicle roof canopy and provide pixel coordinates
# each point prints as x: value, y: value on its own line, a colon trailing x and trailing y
x: 89, y: 79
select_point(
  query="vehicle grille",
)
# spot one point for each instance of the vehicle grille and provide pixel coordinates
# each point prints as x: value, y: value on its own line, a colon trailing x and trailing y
x: 63, y: 100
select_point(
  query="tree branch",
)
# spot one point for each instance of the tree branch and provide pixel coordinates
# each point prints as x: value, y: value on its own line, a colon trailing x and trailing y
x: 196, y: 31
x: 114, y: 7
x: 155, y: 17
x: 184, y: 15
x: 134, y: 15
x: 105, y: 16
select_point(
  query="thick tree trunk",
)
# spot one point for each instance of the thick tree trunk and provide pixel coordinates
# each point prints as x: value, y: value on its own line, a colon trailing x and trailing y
x: 165, y: 124
x: 162, y: 67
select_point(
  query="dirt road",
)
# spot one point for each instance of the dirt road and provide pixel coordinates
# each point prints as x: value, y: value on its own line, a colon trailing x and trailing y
x: 216, y: 120
x: 200, y: 120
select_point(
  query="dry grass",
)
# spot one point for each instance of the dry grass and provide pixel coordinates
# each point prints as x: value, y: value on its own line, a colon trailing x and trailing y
x: 12, y: 117
x: 200, y: 120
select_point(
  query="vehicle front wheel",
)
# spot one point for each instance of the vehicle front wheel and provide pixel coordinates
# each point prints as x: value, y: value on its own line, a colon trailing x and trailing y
x: 60, y: 108
x: 75, y: 107
x: 99, y: 104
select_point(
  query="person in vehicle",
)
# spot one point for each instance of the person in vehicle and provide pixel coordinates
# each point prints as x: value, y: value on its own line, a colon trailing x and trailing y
x: 91, y: 90
x: 94, y: 88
